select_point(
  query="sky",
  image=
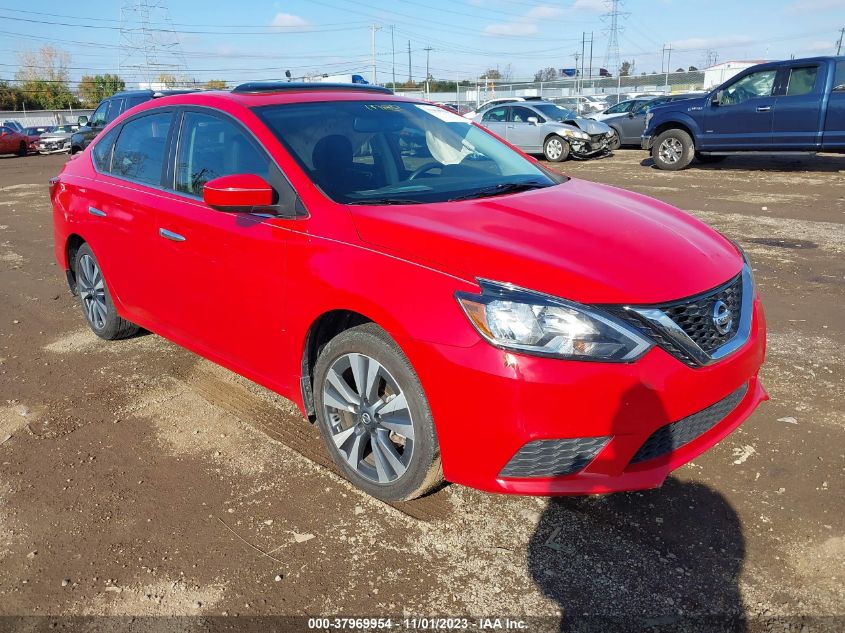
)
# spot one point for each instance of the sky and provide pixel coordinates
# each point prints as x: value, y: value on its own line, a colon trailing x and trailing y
x: 253, y: 39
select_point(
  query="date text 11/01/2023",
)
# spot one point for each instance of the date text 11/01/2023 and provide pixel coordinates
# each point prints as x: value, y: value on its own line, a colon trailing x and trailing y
x: 482, y: 624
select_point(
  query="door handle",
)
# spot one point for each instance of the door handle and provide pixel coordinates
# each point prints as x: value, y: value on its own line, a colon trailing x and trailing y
x: 510, y: 127
x: 97, y: 212
x: 170, y: 235
x: 764, y: 108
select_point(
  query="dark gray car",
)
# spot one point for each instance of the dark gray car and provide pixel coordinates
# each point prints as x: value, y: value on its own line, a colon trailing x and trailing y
x: 629, y: 127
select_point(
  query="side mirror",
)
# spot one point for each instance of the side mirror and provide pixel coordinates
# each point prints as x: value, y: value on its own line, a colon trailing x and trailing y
x: 82, y: 120
x: 630, y: 115
x: 533, y: 120
x: 716, y: 99
x: 238, y: 193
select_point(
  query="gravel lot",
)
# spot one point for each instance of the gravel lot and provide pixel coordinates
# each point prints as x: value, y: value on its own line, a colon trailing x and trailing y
x: 137, y: 479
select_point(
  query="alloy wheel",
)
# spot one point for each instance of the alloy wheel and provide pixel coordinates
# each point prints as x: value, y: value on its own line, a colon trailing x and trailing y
x: 369, y: 418
x: 671, y: 150
x: 92, y: 291
x: 554, y: 149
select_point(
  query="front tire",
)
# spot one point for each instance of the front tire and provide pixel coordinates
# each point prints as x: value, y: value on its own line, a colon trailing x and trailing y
x: 374, y: 416
x: 673, y: 150
x: 555, y: 149
x: 95, y: 299
x: 615, y: 141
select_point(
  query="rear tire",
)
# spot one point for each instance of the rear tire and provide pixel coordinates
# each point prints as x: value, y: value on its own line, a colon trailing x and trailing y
x: 555, y: 149
x: 673, y: 150
x: 709, y: 158
x: 95, y: 299
x: 374, y: 416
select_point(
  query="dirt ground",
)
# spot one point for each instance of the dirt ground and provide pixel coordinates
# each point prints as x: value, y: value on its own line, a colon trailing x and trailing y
x: 137, y: 479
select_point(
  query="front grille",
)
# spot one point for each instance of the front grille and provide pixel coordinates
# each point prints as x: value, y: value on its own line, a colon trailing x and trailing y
x: 553, y: 458
x: 696, y: 317
x: 676, y: 434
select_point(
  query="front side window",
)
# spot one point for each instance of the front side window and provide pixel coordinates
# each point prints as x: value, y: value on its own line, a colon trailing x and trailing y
x: 98, y: 119
x: 210, y: 147
x: 141, y: 147
x: 520, y: 114
x: 620, y: 108
x: 496, y: 115
x: 801, y: 81
x: 420, y: 153
x: 751, y: 86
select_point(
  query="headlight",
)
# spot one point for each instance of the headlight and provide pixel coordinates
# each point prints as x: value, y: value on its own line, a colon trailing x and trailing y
x: 525, y: 321
x: 576, y: 134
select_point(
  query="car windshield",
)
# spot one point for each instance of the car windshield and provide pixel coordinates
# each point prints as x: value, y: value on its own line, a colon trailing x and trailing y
x: 381, y: 152
x: 555, y: 112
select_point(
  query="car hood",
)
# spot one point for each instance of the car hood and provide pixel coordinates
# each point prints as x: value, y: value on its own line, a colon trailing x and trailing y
x: 681, y: 105
x: 591, y: 127
x: 578, y: 240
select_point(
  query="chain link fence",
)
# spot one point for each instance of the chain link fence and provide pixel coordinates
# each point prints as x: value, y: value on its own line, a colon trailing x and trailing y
x: 32, y: 118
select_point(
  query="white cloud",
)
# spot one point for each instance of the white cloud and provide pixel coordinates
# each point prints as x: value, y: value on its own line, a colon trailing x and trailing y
x: 701, y: 43
x: 519, y: 29
x: 589, y: 5
x: 288, y: 21
x: 543, y: 11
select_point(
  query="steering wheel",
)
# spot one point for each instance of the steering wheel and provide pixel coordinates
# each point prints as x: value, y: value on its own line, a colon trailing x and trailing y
x: 419, y: 171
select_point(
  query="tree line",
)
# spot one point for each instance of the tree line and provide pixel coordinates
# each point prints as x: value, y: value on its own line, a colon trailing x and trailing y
x: 42, y: 82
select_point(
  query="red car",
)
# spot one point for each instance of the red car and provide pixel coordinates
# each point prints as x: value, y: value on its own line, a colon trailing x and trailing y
x: 13, y: 142
x: 451, y: 310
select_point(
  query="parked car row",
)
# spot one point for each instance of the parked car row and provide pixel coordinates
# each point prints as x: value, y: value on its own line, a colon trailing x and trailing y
x: 44, y: 139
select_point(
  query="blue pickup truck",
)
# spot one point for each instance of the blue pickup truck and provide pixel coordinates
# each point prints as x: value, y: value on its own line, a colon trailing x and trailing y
x: 789, y: 106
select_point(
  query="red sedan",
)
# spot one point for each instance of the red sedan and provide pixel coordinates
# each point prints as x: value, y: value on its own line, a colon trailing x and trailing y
x: 444, y: 307
x: 13, y: 142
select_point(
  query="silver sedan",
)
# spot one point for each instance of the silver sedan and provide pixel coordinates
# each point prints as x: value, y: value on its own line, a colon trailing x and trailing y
x: 546, y: 128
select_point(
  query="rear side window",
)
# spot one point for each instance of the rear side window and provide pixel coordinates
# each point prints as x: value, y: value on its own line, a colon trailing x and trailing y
x: 102, y: 151
x: 140, y: 149
x: 839, y: 79
x: 801, y: 81
x: 211, y: 147
x: 131, y: 102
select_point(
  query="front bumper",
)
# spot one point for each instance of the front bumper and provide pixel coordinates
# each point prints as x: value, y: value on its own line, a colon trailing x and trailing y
x: 488, y: 404
x: 54, y: 147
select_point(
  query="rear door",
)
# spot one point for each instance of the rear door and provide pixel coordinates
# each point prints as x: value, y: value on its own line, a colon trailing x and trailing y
x: 742, y: 118
x: 797, y: 120
x: 121, y: 215
x: 520, y: 132
x: 834, y: 125
x: 221, y: 276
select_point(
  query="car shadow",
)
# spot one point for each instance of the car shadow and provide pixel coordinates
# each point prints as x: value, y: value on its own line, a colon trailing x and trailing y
x: 667, y: 559
x: 773, y: 162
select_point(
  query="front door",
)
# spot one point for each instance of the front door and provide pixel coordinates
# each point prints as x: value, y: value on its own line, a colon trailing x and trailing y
x: 496, y: 120
x: 525, y: 135
x: 742, y: 117
x: 221, y: 276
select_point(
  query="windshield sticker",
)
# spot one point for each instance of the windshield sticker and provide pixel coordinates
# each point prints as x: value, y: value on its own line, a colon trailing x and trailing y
x: 440, y: 113
x: 384, y: 107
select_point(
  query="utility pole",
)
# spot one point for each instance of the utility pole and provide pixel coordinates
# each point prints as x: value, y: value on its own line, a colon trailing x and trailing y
x: 583, y: 41
x: 667, y: 52
x: 374, y: 28
x: 427, y: 50
x: 839, y: 43
x: 577, y: 56
x: 393, y: 55
x: 409, y: 62
x: 591, y: 54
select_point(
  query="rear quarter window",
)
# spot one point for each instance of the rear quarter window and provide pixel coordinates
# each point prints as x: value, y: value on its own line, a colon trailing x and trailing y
x: 102, y: 152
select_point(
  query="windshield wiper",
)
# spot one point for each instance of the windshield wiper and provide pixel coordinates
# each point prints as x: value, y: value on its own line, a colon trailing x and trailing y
x: 502, y: 188
x: 386, y: 201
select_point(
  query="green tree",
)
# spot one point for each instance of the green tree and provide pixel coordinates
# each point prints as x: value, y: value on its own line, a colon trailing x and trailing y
x: 43, y: 77
x: 92, y: 90
x: 545, y: 74
x: 215, y: 84
x: 626, y: 69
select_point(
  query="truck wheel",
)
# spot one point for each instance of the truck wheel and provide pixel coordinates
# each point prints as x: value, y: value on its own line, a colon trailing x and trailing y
x: 708, y: 158
x: 615, y: 141
x: 555, y: 149
x: 673, y: 150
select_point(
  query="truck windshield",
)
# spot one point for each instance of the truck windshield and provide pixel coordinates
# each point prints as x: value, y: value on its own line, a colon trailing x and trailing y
x: 382, y: 152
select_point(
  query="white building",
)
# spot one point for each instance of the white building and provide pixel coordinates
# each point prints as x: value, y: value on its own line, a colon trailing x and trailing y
x: 720, y: 73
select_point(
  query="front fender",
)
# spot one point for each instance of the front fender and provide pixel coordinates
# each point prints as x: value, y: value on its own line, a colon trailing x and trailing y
x: 673, y: 119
